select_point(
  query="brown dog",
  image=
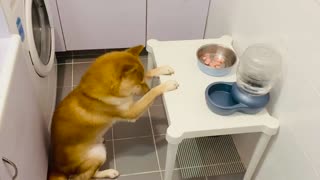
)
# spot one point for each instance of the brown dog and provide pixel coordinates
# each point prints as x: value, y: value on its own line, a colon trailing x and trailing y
x: 104, y: 96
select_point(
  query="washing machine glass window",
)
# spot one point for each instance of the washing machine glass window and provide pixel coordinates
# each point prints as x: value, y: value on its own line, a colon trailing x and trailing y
x: 41, y: 30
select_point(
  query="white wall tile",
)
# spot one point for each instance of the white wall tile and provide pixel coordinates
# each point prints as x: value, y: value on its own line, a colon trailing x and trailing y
x: 293, y: 28
x: 4, y: 31
x: 286, y: 160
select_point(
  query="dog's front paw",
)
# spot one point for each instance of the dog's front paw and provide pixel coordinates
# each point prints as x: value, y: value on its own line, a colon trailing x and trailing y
x: 165, y: 70
x: 171, y: 85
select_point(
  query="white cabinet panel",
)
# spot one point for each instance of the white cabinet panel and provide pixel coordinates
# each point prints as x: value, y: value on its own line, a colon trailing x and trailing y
x: 23, y: 131
x: 59, y: 39
x: 176, y: 19
x: 99, y: 24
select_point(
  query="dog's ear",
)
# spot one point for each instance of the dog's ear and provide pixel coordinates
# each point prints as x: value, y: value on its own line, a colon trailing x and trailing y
x: 127, y: 69
x: 135, y: 50
x: 132, y: 70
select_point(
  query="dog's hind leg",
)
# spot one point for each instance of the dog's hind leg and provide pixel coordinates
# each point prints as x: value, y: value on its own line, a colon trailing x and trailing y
x: 96, y: 156
x: 108, y: 173
x: 87, y: 169
x: 55, y: 175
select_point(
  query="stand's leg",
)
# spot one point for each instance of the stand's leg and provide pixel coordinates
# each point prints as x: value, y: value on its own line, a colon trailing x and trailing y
x: 150, y: 65
x: 257, y: 154
x: 170, y: 160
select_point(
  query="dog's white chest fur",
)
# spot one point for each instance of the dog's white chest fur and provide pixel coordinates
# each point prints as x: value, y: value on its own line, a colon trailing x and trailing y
x: 121, y: 103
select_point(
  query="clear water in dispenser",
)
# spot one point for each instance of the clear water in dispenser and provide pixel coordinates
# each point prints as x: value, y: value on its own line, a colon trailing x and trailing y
x: 258, y: 70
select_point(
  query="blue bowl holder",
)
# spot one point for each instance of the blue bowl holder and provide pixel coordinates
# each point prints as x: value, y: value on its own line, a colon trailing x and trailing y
x: 225, y: 98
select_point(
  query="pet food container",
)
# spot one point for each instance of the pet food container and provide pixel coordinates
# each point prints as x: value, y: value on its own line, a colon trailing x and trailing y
x: 216, y: 60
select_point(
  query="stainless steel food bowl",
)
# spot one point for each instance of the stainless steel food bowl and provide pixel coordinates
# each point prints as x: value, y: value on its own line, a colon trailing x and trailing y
x: 216, y: 50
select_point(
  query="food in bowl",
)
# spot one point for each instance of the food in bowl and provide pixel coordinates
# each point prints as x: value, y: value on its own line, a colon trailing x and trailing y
x: 213, y: 60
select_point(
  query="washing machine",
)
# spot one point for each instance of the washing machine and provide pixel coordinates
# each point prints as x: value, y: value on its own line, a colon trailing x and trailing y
x: 31, y: 19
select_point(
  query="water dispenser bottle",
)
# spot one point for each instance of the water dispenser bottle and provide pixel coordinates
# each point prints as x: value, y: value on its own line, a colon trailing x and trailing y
x: 258, y: 70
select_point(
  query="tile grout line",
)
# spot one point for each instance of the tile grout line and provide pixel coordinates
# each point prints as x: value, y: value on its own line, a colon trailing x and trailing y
x: 154, y: 141
x: 129, y: 138
x: 160, y: 171
x: 59, y: 64
x: 136, y: 137
x: 83, y: 62
x: 140, y: 173
x: 149, y: 172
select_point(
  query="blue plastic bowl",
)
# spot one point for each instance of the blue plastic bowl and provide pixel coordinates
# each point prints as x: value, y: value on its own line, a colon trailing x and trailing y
x: 227, y: 54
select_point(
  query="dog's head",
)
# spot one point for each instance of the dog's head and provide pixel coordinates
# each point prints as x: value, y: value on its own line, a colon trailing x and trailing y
x: 118, y: 74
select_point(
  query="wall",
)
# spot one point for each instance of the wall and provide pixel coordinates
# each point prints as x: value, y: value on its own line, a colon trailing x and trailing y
x: 293, y: 26
x: 3, y: 24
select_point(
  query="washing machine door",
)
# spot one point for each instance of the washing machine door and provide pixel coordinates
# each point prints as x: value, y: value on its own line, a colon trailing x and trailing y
x: 40, y: 36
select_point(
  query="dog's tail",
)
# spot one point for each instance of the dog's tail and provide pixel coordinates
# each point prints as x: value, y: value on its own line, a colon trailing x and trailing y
x: 56, y: 175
